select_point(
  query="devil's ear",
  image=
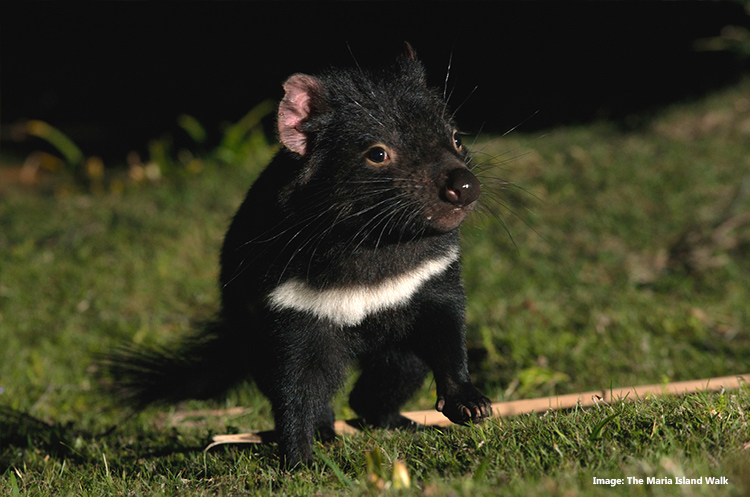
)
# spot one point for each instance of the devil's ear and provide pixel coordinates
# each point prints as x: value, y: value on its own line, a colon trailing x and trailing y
x: 302, y: 98
x: 409, y: 52
x: 411, y: 66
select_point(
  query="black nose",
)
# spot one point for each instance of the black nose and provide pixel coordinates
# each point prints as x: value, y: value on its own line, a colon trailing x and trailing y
x: 462, y: 187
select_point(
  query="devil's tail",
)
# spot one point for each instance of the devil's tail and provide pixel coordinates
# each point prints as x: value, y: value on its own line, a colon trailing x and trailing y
x: 202, y: 366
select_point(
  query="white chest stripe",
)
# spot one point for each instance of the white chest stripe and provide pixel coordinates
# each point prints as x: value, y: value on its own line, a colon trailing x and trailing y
x: 350, y: 305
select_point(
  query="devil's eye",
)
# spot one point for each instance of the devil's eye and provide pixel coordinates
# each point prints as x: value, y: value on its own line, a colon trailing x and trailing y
x: 378, y: 155
x: 457, y: 140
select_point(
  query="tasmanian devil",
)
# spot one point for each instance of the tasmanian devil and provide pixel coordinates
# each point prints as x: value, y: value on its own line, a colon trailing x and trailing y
x: 345, y: 251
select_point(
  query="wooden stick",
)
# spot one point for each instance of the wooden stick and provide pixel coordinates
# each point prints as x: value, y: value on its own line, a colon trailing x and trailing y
x: 588, y: 399
x: 515, y: 407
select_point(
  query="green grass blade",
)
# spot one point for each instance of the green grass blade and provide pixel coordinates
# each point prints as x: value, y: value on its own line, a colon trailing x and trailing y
x: 57, y: 139
x: 340, y: 475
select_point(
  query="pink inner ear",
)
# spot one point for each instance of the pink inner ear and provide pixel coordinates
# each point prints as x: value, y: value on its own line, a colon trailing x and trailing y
x: 295, y: 108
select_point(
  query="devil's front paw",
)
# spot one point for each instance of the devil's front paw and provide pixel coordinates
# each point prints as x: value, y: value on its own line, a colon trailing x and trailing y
x: 468, y: 405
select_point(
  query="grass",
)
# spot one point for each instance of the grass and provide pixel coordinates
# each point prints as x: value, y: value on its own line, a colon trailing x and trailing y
x: 629, y: 263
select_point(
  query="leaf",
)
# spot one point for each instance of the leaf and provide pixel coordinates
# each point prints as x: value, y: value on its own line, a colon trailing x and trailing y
x: 595, y: 433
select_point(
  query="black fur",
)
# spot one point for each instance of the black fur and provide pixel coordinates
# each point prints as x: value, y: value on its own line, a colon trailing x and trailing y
x: 330, y: 213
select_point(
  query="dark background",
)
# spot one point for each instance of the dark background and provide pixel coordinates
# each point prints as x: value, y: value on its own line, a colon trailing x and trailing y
x: 114, y: 75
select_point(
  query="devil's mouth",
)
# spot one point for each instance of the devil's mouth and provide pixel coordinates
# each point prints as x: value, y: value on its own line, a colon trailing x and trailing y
x: 449, y: 219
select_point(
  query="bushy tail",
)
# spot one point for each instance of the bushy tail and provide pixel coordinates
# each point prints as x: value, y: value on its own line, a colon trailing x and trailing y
x: 200, y: 367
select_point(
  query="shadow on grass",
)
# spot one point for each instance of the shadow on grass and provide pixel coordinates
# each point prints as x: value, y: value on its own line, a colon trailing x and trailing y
x: 21, y: 432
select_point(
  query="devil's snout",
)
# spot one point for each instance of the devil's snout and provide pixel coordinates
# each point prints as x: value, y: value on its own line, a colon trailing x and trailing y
x: 461, y: 187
